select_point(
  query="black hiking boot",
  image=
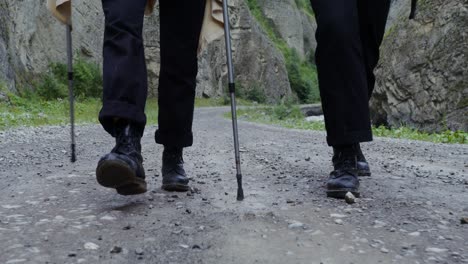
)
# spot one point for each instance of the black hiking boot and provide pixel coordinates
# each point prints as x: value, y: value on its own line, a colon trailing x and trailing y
x: 344, y: 178
x: 122, y: 169
x: 362, y: 165
x: 173, y: 173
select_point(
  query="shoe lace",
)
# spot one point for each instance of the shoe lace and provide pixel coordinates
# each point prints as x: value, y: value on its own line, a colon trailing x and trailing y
x: 127, y: 142
x: 345, y: 164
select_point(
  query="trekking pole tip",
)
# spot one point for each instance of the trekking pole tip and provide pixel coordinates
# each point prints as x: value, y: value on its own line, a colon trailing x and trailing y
x: 240, y: 194
x: 73, y: 153
x: 240, y: 190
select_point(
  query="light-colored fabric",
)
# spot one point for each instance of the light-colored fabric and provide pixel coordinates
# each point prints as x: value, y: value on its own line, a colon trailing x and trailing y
x: 212, y: 25
x: 61, y: 9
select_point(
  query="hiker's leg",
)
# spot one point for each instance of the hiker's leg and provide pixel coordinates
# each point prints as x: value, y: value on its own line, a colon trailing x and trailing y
x: 125, y: 76
x: 124, y: 97
x: 342, y: 72
x: 373, y: 16
x: 181, y: 23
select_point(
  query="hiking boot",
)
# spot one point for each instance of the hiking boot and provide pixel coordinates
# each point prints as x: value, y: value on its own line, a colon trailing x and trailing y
x: 173, y: 173
x: 122, y: 168
x: 344, y: 178
x: 362, y: 165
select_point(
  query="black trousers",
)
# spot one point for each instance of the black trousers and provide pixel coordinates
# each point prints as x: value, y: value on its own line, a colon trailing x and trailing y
x: 349, y: 35
x: 125, y: 74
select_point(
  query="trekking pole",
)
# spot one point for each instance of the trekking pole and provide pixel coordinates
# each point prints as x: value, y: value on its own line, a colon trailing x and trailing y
x: 70, y: 91
x: 232, y: 91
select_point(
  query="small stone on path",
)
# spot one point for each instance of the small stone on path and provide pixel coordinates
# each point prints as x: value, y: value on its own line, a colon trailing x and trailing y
x: 116, y: 250
x: 436, y: 250
x: 349, y: 198
x: 295, y: 225
x: 384, y: 250
x: 90, y: 246
x: 139, y: 251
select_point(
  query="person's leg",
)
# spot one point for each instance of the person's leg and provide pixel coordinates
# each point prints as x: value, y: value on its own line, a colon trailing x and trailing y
x: 373, y: 16
x: 372, y: 20
x: 181, y: 23
x: 124, y: 68
x: 349, y: 35
x: 342, y: 72
x: 124, y: 96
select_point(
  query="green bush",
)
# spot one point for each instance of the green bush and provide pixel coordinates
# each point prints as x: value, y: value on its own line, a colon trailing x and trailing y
x: 256, y: 94
x: 87, y: 81
x: 283, y: 112
x: 302, y: 77
x: 51, y: 88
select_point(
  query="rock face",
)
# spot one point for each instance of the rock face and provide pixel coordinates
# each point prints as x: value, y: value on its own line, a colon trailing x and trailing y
x: 422, y: 80
x: 294, y: 25
x: 257, y: 61
x: 30, y: 39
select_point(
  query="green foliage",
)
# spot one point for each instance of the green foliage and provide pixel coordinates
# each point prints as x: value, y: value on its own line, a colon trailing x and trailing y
x: 51, y: 87
x: 283, y: 112
x: 410, y: 133
x: 255, y: 93
x: 302, y: 73
x: 302, y: 77
x: 305, y: 6
x: 87, y: 81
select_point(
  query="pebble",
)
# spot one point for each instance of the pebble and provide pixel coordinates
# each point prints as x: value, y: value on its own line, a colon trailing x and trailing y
x: 90, y: 246
x: 116, y: 250
x: 349, y: 198
x: 436, y: 250
x: 338, y: 221
x: 384, y: 250
x: 414, y: 234
x: 337, y: 215
x: 196, y: 247
x: 139, y: 251
x: 379, y: 224
x: 108, y: 218
x: 295, y: 225
x: 464, y: 221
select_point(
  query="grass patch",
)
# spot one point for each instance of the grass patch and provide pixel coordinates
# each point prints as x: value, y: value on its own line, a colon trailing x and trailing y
x: 290, y: 116
x: 17, y: 111
x: 25, y: 112
x: 302, y: 73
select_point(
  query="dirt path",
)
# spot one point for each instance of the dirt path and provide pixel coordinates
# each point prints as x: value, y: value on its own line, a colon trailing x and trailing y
x: 52, y: 211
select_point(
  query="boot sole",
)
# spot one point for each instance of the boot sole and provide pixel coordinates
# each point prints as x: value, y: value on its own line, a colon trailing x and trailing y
x: 341, y: 193
x: 175, y: 187
x: 364, y: 173
x: 118, y: 175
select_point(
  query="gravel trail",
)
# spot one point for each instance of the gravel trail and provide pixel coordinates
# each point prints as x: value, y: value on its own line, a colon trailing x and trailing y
x: 411, y: 208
